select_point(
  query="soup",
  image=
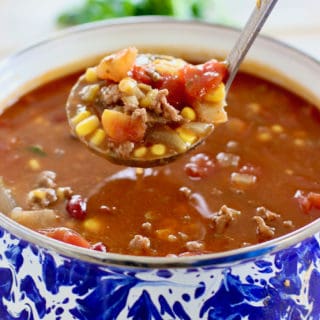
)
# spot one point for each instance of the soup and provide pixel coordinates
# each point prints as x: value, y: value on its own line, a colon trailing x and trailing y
x: 254, y: 179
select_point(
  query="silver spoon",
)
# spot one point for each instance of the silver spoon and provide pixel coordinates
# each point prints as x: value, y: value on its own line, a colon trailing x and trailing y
x: 257, y: 19
x: 250, y: 31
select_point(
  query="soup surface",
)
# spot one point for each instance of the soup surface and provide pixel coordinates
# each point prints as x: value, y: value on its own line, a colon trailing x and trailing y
x: 254, y: 179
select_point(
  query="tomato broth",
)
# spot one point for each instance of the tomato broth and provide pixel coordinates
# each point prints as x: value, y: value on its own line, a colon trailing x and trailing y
x: 254, y: 179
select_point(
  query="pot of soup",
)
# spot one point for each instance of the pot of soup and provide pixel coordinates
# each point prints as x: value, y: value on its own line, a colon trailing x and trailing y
x: 227, y: 231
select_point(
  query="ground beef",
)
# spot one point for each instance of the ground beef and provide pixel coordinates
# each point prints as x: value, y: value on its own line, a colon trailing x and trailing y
x: 223, y: 217
x: 130, y: 104
x: 194, y: 246
x: 147, y: 226
x: 186, y: 192
x: 139, y: 243
x: 47, y: 179
x: 289, y: 224
x: 140, y: 114
x: 109, y: 95
x: 41, y: 198
x: 267, y: 214
x: 122, y: 150
x: 64, y: 192
x: 264, y: 231
x: 162, y: 107
x: 158, y: 111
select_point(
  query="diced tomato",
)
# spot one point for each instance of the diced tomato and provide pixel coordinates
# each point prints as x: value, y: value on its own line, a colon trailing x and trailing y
x: 307, y: 202
x: 192, y: 82
x: 199, y: 79
x: 141, y: 74
x: 176, y: 88
x: 67, y: 235
x: 314, y: 199
x: 99, y: 246
x: 216, y: 66
x: 121, y: 127
x: 304, y: 204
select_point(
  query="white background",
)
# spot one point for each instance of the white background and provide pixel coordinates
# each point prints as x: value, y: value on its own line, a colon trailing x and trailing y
x: 297, y: 22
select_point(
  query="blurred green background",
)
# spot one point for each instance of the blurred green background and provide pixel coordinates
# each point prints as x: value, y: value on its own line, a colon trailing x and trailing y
x: 94, y: 10
x: 23, y: 23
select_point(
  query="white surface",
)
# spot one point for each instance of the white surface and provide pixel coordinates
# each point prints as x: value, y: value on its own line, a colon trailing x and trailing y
x: 296, y: 22
x: 23, y: 22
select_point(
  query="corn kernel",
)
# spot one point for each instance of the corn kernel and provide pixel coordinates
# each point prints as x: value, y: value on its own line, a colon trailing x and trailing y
x: 264, y: 136
x: 217, y: 94
x: 254, y: 107
x: 88, y: 93
x: 187, y: 135
x: 42, y: 121
x: 144, y: 87
x: 148, y: 99
x: 39, y: 194
x: 91, y: 75
x: 158, y: 149
x: 34, y: 164
x: 140, y: 152
x: 277, y: 128
x: 188, y: 113
x: 299, y: 142
x: 80, y: 116
x: 98, y: 137
x: 87, y: 126
x: 92, y: 225
x: 64, y: 193
x: 163, y: 234
x: 128, y: 86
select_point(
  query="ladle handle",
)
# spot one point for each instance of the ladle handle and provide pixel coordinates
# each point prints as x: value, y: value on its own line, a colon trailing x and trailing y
x: 256, y: 21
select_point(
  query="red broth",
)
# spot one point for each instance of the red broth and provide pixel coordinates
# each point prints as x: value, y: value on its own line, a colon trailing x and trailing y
x: 255, y: 178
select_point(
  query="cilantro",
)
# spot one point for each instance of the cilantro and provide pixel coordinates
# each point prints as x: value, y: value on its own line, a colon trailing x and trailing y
x: 37, y: 149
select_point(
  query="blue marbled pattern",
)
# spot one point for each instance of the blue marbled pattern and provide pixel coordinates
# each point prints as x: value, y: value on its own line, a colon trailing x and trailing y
x: 36, y: 283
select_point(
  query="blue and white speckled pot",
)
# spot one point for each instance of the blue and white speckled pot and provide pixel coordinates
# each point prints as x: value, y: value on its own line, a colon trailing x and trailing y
x: 41, y: 278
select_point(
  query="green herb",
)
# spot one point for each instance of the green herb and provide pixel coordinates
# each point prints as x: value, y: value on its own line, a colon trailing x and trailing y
x: 37, y: 149
x: 93, y: 10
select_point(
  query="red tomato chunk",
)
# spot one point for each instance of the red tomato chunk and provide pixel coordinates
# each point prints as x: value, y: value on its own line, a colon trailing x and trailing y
x: 308, y: 202
x: 68, y: 236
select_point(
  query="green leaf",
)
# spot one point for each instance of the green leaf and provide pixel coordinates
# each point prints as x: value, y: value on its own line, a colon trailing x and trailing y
x: 37, y: 149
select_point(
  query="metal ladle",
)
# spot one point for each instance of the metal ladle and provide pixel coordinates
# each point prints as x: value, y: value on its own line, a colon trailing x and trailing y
x: 252, y: 28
